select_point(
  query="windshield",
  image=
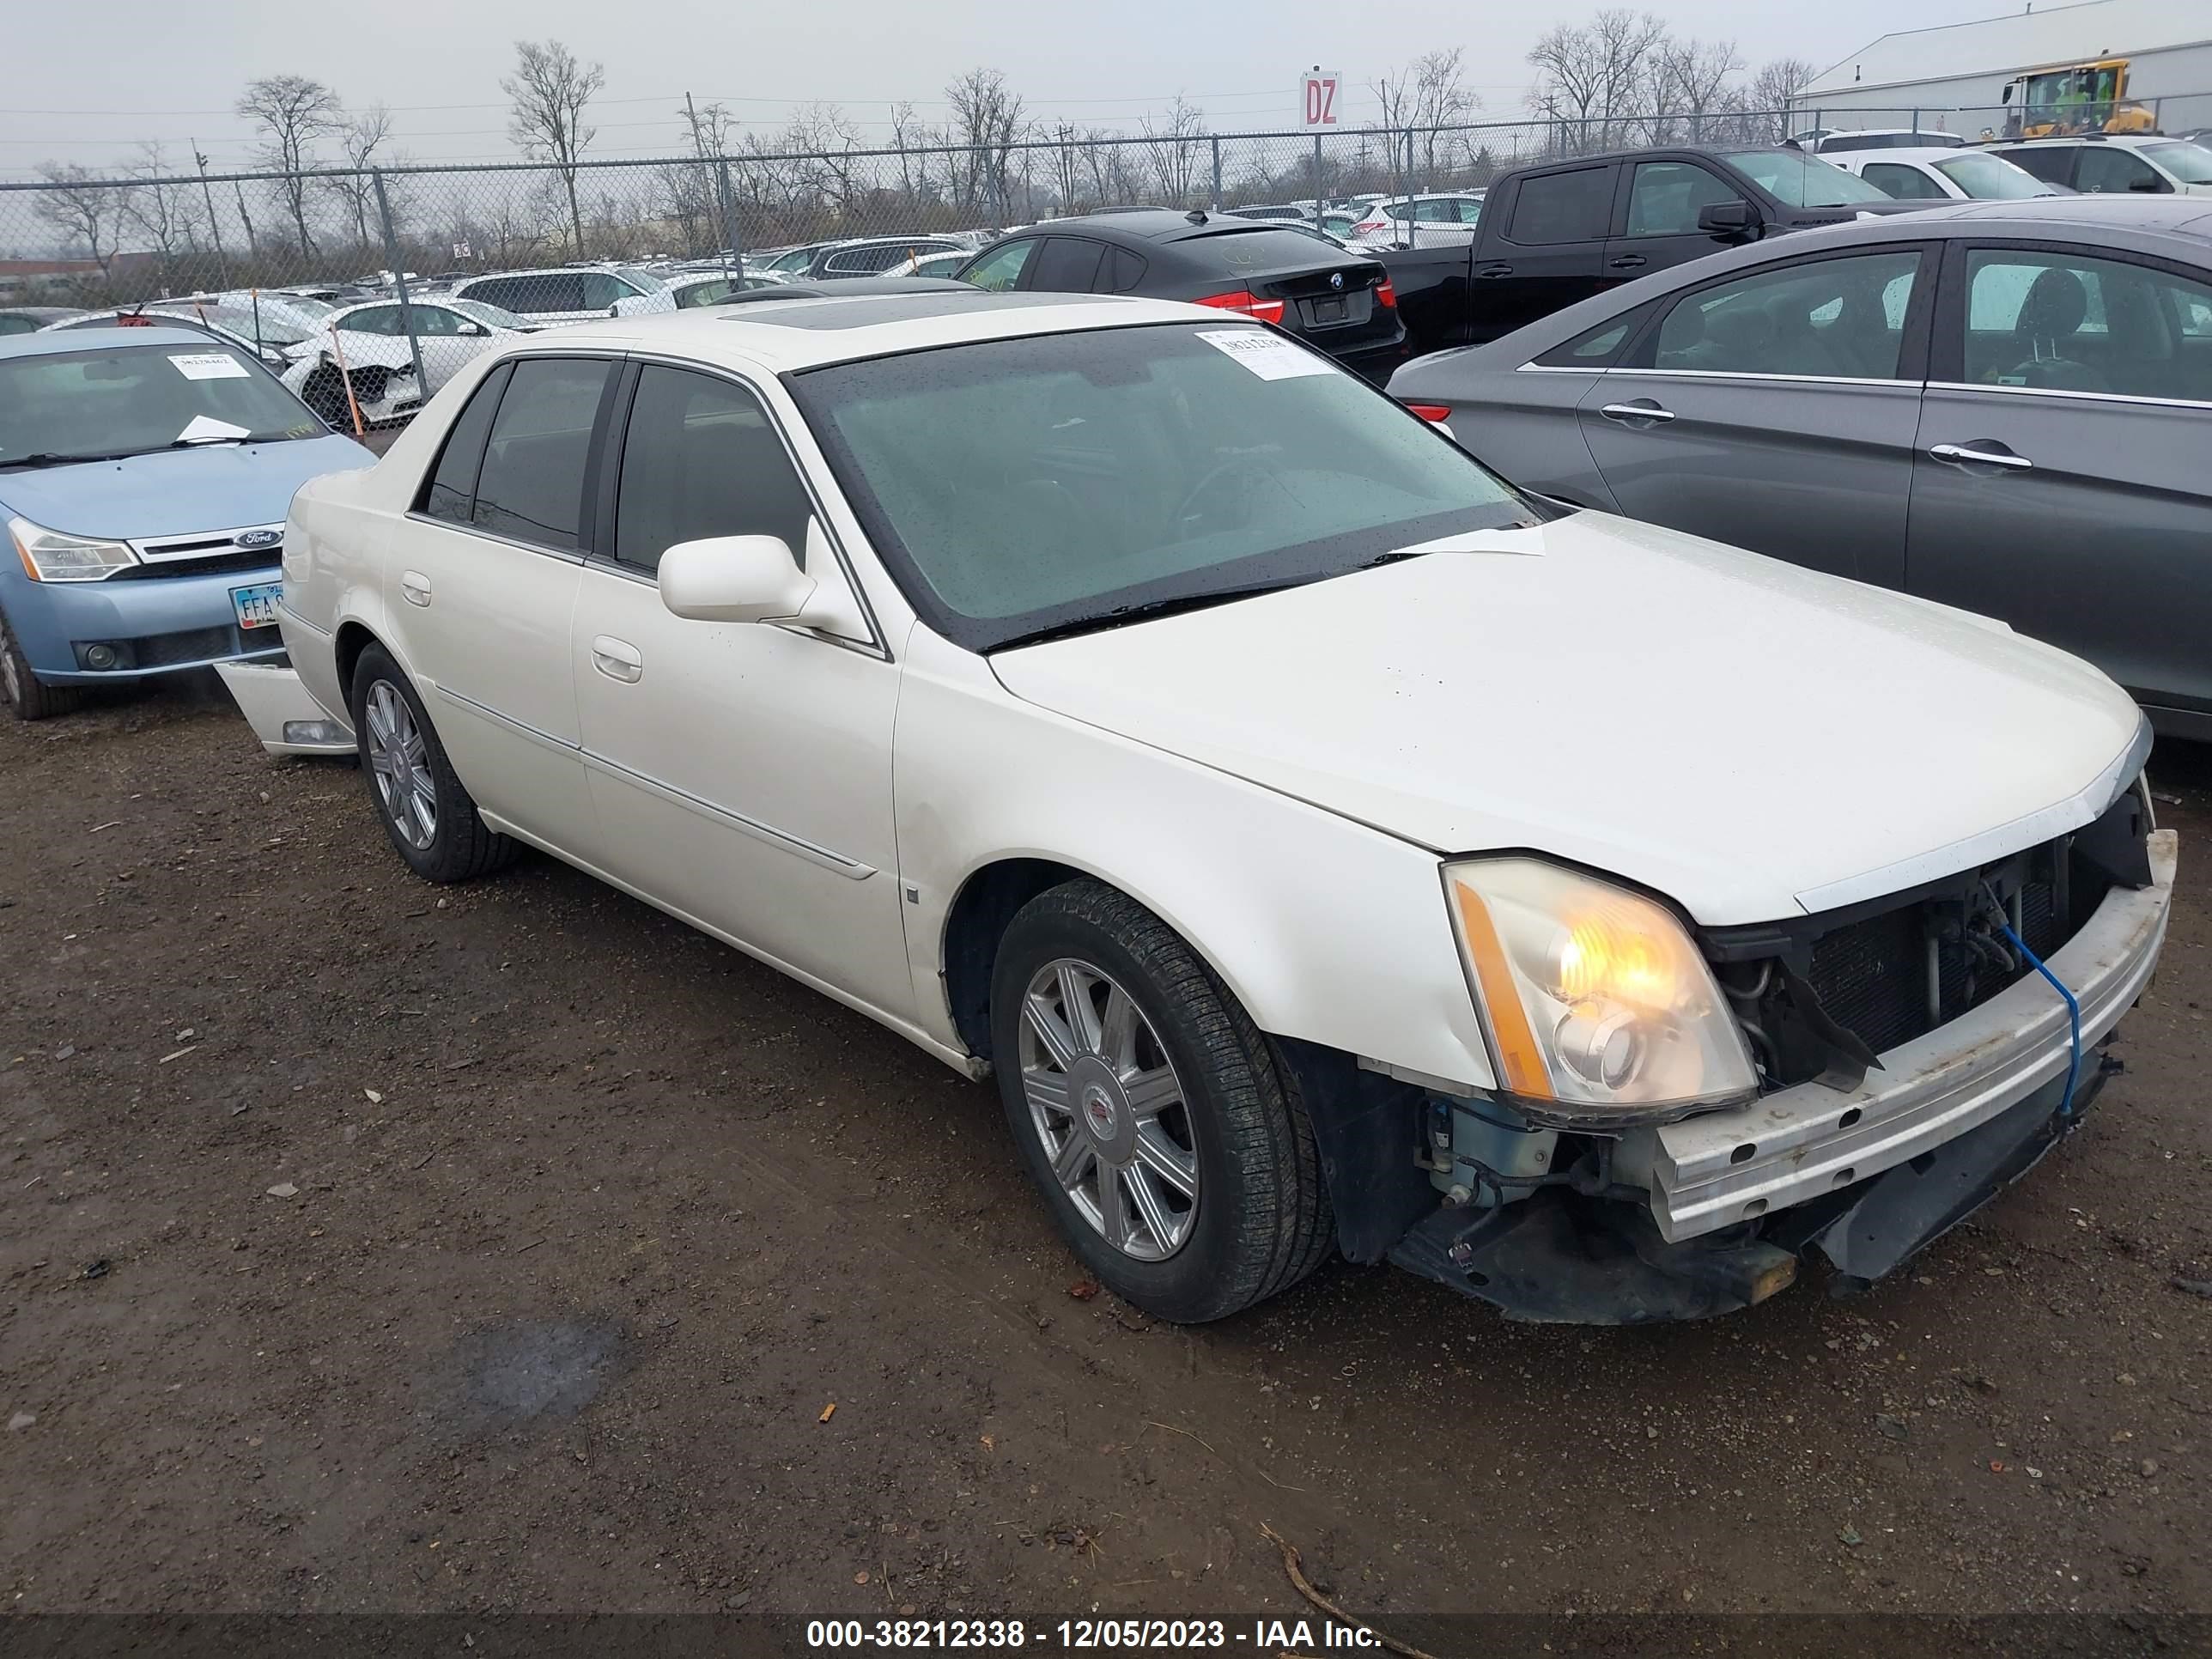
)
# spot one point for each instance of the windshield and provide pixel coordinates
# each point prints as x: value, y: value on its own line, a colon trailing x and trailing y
x: 1059, y: 481
x: 1990, y: 179
x: 2190, y: 163
x: 131, y: 399
x: 491, y: 316
x: 1801, y: 180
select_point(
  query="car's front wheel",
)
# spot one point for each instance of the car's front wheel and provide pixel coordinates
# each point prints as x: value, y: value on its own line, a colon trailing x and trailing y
x: 27, y: 698
x: 429, y: 816
x: 1155, y: 1117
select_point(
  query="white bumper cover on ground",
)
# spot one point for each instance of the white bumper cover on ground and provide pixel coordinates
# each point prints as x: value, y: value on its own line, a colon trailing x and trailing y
x: 1929, y: 1090
x: 280, y: 711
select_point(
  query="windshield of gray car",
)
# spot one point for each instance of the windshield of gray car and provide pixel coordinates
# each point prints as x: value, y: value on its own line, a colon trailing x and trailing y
x: 1040, y: 485
x: 1801, y: 180
x: 58, y: 406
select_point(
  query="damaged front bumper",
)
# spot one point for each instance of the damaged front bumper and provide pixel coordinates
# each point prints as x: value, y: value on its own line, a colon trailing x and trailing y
x: 1732, y: 1200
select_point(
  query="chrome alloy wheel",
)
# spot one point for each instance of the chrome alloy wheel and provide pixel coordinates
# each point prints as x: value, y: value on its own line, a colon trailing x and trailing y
x: 1106, y: 1105
x: 399, y: 761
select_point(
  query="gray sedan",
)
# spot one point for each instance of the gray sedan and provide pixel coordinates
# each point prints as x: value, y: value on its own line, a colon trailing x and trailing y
x: 2005, y: 406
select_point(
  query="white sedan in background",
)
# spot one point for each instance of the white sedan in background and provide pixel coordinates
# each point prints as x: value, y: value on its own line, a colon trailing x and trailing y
x: 1325, y: 846
x: 374, y: 351
x: 1949, y: 174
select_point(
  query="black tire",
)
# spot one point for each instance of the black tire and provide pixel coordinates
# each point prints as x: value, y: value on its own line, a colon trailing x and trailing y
x: 324, y: 393
x: 27, y: 697
x: 461, y: 847
x: 1263, y: 1220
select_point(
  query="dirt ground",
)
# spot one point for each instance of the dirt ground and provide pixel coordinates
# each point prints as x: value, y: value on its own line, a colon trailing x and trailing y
x: 371, y: 1247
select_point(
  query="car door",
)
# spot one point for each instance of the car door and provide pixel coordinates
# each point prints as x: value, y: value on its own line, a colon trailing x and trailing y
x: 1659, y: 227
x: 481, y: 588
x: 2060, y: 480
x: 742, y: 769
x: 1548, y: 253
x: 1776, y: 410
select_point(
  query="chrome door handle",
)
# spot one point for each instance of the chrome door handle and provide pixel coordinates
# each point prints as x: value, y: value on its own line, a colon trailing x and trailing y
x: 1960, y: 453
x: 414, y: 587
x: 617, y: 659
x: 1646, y: 411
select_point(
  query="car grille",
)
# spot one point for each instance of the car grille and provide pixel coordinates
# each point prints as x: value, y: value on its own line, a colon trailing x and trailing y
x: 1871, y: 977
x: 1892, y: 970
x: 259, y: 558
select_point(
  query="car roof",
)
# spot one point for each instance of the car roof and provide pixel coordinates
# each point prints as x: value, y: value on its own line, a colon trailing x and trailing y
x: 785, y: 334
x: 46, y: 343
x: 1906, y: 153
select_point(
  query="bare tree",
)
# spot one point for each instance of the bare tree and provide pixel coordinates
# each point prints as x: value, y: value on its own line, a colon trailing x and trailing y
x: 1773, y: 90
x: 548, y: 93
x: 293, y: 114
x: 361, y: 136
x: 1690, y: 80
x: 161, y: 210
x: 1592, y: 76
x: 1174, y: 148
x: 987, y: 119
x: 1439, y: 99
x: 83, y: 215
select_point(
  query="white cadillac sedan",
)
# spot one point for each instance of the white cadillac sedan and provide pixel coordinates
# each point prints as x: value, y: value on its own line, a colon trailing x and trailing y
x: 1326, y: 846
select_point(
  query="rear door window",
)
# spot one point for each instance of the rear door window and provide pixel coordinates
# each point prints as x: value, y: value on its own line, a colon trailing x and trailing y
x: 1067, y: 265
x: 452, y: 487
x: 531, y: 485
x: 2052, y: 163
x: 1826, y: 319
x: 1562, y: 207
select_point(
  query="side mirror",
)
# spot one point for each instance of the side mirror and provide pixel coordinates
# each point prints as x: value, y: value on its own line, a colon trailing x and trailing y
x: 1728, y: 218
x: 734, y: 578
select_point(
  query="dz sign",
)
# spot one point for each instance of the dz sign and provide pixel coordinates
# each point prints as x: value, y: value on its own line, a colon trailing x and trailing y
x: 1318, y: 94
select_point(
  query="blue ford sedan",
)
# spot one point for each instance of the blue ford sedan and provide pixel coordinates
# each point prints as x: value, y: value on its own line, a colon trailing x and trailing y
x: 144, y: 475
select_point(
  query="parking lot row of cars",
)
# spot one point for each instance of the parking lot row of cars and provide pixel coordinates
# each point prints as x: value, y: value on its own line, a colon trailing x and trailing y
x: 1413, y: 825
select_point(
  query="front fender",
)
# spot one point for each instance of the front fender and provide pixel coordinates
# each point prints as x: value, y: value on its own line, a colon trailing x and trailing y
x: 1326, y: 930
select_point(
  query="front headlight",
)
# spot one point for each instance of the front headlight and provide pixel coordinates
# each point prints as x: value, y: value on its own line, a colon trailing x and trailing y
x: 51, y: 555
x: 1598, y: 1008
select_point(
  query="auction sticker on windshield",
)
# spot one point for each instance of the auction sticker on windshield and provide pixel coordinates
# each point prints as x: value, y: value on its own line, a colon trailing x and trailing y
x: 257, y: 605
x: 1269, y: 358
x: 209, y: 365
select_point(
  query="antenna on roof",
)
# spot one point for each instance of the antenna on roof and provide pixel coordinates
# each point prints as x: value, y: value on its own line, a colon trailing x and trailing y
x: 1196, y: 215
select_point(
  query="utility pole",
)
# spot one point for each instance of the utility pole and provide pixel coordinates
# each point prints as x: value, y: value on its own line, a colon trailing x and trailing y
x: 699, y: 149
x: 207, y: 194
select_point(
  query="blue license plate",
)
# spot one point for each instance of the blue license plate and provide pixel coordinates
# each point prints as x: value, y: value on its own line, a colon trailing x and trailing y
x: 257, y: 605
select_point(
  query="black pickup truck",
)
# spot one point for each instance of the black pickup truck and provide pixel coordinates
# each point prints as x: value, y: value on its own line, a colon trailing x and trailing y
x: 1554, y: 235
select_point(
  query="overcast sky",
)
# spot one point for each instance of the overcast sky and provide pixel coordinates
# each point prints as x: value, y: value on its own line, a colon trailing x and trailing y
x: 84, y: 83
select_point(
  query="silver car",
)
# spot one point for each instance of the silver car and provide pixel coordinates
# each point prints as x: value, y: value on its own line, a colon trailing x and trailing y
x: 2004, y: 406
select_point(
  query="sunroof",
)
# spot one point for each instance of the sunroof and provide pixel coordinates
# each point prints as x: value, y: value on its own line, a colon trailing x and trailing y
x: 857, y: 313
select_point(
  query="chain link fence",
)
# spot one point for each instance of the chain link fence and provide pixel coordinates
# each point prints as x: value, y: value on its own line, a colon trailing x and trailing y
x: 421, y: 268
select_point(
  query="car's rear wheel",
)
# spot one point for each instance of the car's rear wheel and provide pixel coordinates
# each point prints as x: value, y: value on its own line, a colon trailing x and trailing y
x: 430, y: 817
x: 27, y: 697
x: 1155, y: 1117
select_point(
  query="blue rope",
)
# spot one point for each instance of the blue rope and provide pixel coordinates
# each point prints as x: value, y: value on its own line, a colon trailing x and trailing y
x: 2073, y: 1007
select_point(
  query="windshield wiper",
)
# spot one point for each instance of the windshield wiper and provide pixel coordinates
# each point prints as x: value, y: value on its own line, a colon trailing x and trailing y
x: 1148, y: 609
x: 47, y: 458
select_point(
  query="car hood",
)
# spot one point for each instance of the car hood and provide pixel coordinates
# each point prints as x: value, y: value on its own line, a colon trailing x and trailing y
x: 175, y: 492
x: 1754, y: 740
